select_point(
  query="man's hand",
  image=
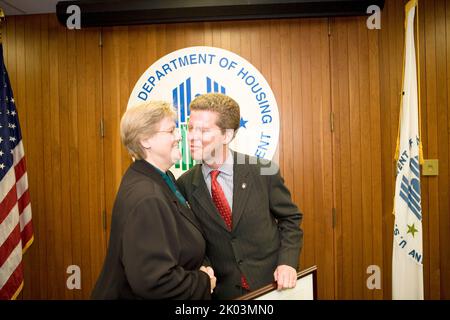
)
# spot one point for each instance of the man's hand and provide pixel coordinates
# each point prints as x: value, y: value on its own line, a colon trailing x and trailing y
x: 285, y: 276
x: 210, y: 272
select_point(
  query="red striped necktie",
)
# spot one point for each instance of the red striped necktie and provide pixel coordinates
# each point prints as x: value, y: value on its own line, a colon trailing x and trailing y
x: 224, y: 209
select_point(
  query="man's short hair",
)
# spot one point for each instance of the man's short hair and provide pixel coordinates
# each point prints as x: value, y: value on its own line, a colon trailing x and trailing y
x: 141, y: 122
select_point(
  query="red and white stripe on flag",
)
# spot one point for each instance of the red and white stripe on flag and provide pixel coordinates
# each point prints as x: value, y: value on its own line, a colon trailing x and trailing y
x: 16, y: 231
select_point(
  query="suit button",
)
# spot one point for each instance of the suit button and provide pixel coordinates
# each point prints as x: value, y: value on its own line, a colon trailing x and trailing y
x: 240, y: 262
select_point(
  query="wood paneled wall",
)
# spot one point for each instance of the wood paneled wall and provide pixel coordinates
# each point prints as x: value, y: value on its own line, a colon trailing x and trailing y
x: 56, y: 79
x: 366, y: 84
x: 435, y: 94
x: 357, y: 155
x: 293, y: 56
x: 65, y: 82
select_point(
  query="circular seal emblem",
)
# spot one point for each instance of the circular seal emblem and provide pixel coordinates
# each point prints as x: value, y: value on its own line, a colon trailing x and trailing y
x: 180, y: 76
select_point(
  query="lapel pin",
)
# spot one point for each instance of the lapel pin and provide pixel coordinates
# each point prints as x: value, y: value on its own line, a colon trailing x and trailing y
x: 244, y: 185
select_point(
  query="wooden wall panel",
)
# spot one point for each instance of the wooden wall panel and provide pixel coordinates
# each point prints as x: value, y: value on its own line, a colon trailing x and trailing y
x: 56, y: 78
x: 357, y: 156
x: 434, y: 21
x: 444, y: 195
x: 430, y: 140
x: 321, y: 150
x: 374, y: 201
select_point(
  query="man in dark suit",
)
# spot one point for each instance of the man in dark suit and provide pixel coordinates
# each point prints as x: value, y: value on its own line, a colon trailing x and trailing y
x: 251, y: 225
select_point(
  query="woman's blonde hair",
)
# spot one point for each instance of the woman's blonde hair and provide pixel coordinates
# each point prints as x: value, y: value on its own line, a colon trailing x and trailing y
x: 141, y: 122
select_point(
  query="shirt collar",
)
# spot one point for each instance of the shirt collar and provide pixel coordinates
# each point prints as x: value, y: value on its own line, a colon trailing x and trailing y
x: 226, y: 167
x: 157, y: 169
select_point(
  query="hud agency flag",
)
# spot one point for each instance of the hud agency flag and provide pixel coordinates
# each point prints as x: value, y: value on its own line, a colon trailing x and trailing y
x: 407, y: 267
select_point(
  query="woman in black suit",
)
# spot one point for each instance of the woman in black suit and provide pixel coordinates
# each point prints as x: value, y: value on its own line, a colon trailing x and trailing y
x: 156, y: 247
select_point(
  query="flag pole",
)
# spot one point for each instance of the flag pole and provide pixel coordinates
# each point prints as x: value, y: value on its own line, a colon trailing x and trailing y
x: 421, y: 159
x: 2, y: 18
x: 402, y: 93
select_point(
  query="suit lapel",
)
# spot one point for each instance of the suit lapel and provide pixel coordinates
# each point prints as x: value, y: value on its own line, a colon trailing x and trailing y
x: 241, y: 189
x: 145, y: 168
x: 203, y: 197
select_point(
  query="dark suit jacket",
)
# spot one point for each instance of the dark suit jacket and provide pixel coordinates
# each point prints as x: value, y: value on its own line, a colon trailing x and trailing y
x: 156, y: 247
x: 266, y: 227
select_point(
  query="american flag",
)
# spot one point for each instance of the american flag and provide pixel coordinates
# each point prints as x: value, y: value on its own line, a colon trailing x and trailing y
x: 16, y: 231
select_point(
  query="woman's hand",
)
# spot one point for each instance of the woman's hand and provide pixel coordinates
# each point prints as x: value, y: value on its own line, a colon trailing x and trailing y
x: 210, y: 272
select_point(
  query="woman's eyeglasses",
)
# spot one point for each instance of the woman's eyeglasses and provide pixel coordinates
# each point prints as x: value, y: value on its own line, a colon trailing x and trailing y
x: 173, y: 131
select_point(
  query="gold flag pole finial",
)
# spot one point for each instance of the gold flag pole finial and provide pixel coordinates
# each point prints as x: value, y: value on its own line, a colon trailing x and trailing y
x: 2, y: 18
